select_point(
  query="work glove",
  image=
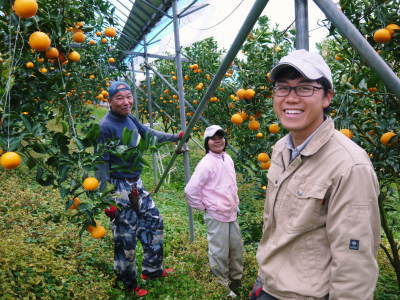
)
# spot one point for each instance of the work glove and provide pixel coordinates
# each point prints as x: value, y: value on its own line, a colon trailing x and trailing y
x: 181, y: 134
x: 111, y: 211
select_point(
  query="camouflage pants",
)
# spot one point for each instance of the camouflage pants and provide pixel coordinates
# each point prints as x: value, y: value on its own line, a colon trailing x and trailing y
x: 145, y: 224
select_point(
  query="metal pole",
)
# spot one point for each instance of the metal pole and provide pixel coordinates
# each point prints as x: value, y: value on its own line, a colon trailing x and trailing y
x: 181, y: 94
x: 369, y: 54
x: 301, y: 13
x: 248, y: 24
x: 134, y: 90
x: 150, y: 109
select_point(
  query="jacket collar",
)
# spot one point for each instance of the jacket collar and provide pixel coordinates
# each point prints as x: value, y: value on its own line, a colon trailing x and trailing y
x: 117, y: 117
x: 217, y: 155
x: 320, y: 138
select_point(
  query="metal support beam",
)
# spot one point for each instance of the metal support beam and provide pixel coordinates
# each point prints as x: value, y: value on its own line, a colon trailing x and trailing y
x: 155, y: 8
x: 153, y: 55
x: 187, y: 7
x: 248, y: 24
x: 150, y: 109
x: 366, y: 51
x: 182, y: 112
x: 301, y: 13
x: 192, y: 11
x: 134, y: 90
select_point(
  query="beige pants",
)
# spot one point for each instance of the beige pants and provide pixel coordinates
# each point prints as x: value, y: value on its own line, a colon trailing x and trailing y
x: 225, y: 249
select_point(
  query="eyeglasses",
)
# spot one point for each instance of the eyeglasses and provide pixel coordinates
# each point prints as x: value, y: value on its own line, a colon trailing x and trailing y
x: 301, y: 90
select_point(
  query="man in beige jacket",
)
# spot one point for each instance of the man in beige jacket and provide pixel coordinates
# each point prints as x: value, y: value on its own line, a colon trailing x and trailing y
x: 321, y: 220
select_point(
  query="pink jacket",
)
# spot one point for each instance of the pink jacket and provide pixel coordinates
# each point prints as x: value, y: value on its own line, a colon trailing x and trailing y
x: 212, y: 187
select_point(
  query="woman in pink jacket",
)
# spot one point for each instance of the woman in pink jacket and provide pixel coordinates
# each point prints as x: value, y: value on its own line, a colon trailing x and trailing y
x: 213, y: 188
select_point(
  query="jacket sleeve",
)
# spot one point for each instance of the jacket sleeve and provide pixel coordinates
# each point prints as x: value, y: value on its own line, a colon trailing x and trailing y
x: 353, y: 228
x: 194, y: 188
x: 161, y: 136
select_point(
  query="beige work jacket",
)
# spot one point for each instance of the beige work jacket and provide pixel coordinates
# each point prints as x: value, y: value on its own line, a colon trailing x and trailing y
x: 321, y: 221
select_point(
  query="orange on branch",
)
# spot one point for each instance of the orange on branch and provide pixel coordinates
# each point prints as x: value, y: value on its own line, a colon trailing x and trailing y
x: 10, y: 160
x: 79, y: 37
x: 110, y: 32
x: 386, y: 137
x: 274, y: 128
x: 90, y: 183
x: 74, y: 56
x: 39, y: 41
x: 25, y: 8
x: 263, y: 157
x: 98, y: 232
x: 237, y: 119
x: 52, y: 53
x: 254, y: 125
x: 241, y: 93
x: 382, y: 35
x: 347, y: 132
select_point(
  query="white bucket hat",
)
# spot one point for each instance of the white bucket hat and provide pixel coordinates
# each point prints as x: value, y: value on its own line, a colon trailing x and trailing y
x: 310, y: 64
x: 211, y: 130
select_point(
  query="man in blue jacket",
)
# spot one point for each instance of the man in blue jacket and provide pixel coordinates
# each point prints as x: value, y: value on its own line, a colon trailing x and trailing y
x: 137, y: 216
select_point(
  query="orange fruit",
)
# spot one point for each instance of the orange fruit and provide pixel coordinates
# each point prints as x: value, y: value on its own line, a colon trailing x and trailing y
x: 241, y: 93
x: 104, y: 40
x: 29, y: 65
x: 373, y: 89
x: 186, y: 77
x: 392, y: 28
x: 263, y: 157
x: 92, y: 42
x: 43, y: 70
x: 40, y: 59
x: 91, y: 76
x: 52, y: 52
x: 347, y: 132
x: 259, y: 135
x: 10, y: 160
x: 274, y: 128
x: 39, y: 41
x: 76, y: 203
x: 254, y: 125
x: 74, y: 56
x: 98, y: 33
x: 111, y: 60
x: 199, y: 86
x: 213, y: 99
x: 25, y: 8
x: 90, y: 183
x: 382, y: 35
x: 338, y: 57
x: 104, y: 93
x: 173, y: 77
x: 98, y: 232
x: 243, y: 114
x: 110, y: 32
x: 194, y: 66
x: 79, y: 37
x: 237, y: 119
x: 249, y: 94
x: 386, y: 137
x: 265, y: 165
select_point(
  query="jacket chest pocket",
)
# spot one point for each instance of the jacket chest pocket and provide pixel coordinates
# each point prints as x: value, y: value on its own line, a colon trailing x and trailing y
x: 306, y: 206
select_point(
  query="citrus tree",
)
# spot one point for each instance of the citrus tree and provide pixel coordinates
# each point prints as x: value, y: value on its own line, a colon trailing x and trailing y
x: 57, y: 60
